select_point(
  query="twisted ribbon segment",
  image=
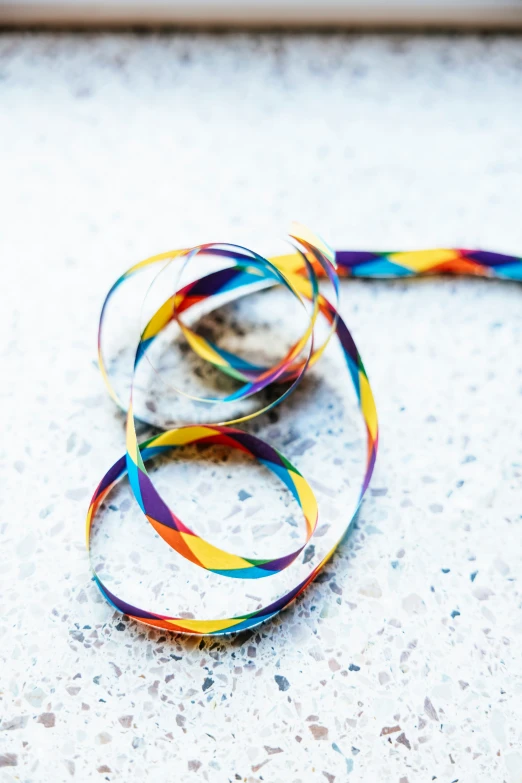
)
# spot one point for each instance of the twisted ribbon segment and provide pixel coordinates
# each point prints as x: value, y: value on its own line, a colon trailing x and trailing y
x: 298, y: 272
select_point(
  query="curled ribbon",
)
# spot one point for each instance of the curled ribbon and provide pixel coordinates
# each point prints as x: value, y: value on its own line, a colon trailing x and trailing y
x: 298, y: 272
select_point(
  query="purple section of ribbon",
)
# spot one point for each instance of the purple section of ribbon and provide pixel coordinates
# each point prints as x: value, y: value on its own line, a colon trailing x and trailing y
x: 257, y: 447
x: 281, y: 562
x: 153, y: 504
x: 350, y: 258
x: 490, y: 259
x: 210, y: 284
x: 118, y: 469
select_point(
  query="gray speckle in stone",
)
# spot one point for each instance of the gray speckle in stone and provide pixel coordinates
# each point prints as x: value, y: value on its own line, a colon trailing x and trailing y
x: 8, y: 760
x: 389, y: 730
x: 483, y: 593
x: 318, y: 732
x: 414, y: 604
x: 301, y: 447
x: 429, y: 709
x: 308, y: 553
x: 402, y: 738
x: 35, y: 696
x: 371, y: 588
x: 47, y: 719
x: 20, y: 722
x: 79, y: 493
x: 379, y: 493
x: 282, y: 682
x: 71, y: 442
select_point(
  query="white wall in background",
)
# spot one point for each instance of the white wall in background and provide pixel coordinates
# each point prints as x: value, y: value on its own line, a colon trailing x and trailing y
x: 494, y: 13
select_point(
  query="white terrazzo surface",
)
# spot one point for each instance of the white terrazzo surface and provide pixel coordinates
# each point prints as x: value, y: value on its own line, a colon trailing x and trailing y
x: 403, y: 663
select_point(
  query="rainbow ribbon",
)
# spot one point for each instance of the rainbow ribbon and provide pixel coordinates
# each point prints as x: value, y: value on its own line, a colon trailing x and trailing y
x: 298, y: 272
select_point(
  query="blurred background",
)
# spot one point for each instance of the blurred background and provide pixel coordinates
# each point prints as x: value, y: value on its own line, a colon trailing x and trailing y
x: 297, y: 13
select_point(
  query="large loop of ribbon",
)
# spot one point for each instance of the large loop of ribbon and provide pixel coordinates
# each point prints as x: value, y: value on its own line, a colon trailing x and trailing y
x: 298, y: 272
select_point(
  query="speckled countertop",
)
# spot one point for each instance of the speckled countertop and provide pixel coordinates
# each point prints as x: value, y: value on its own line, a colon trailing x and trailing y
x: 402, y: 664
